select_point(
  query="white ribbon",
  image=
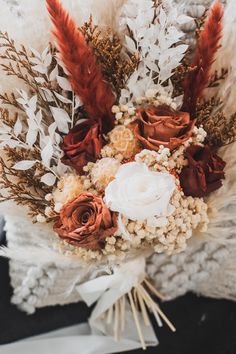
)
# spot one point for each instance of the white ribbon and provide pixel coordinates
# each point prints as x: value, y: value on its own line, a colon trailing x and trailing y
x: 97, y: 338
x: 73, y: 340
x: 113, y: 286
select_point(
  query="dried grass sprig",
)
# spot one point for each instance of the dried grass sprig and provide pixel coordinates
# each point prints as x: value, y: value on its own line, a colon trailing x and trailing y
x: 85, y: 73
x: 117, y: 66
x: 179, y: 74
x: 206, y: 48
x: 16, y: 62
x: 199, y: 22
x: 220, y: 130
x: 216, y: 79
x: 206, y: 108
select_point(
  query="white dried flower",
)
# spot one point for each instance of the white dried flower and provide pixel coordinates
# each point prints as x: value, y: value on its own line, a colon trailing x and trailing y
x: 139, y: 193
x: 119, y: 115
x: 104, y: 171
x: 122, y: 141
x: 48, y: 197
x: 115, y: 109
x: 48, y: 211
x: 41, y: 218
x: 68, y: 187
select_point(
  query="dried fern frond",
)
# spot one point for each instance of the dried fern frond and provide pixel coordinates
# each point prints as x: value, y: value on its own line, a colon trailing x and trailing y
x: 22, y: 186
x: 16, y: 62
x: 7, y: 119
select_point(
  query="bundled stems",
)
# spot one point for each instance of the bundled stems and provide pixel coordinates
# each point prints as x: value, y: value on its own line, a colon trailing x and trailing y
x: 141, y: 303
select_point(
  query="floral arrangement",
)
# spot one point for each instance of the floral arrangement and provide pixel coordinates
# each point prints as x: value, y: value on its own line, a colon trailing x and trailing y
x: 114, y: 142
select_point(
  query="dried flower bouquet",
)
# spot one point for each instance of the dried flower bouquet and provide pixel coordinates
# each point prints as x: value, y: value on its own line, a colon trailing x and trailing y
x: 113, y: 144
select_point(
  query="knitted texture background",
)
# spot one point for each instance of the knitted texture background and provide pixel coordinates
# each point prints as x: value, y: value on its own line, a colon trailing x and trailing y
x: 205, y: 267
x: 38, y: 286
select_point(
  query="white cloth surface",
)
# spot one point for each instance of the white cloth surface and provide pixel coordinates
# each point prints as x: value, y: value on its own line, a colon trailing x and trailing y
x: 98, y: 336
x: 75, y: 340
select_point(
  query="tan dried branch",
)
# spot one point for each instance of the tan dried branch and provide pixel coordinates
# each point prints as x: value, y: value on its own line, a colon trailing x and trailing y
x: 217, y: 78
x: 10, y: 99
x: 16, y: 62
x: 23, y: 187
x: 8, y: 120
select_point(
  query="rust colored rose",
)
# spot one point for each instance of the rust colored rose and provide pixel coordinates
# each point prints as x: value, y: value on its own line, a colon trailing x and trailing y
x: 162, y: 125
x: 86, y: 222
x: 81, y: 145
x: 204, y: 172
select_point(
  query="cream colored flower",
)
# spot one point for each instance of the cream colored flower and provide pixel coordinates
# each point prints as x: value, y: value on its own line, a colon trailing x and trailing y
x: 68, y: 187
x: 104, y: 172
x: 123, y: 142
x: 140, y: 194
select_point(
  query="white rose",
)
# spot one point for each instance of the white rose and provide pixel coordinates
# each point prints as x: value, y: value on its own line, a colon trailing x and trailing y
x: 140, y: 194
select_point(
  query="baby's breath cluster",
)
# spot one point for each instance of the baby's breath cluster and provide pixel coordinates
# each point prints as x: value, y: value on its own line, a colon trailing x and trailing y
x: 165, y: 159
x: 126, y: 114
x: 169, y: 236
x: 156, y: 98
x: 84, y: 254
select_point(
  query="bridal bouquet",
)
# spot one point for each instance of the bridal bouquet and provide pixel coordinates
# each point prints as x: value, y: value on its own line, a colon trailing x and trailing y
x: 113, y: 146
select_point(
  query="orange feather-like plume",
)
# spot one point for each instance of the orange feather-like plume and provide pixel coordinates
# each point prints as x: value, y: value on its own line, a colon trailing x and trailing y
x: 206, y: 48
x: 85, y: 73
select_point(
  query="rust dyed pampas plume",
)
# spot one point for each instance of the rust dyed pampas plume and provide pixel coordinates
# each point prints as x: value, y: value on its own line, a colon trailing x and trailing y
x: 207, y: 45
x: 85, y: 73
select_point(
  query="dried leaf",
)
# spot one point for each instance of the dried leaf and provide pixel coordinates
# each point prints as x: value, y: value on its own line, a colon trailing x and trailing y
x: 61, y: 118
x: 64, y: 83
x: 49, y: 179
x: 47, y: 153
x: 24, y: 165
x: 18, y: 127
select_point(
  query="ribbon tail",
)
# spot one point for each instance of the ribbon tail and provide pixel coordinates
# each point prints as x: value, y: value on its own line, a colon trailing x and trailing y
x: 94, y: 289
x: 70, y: 340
